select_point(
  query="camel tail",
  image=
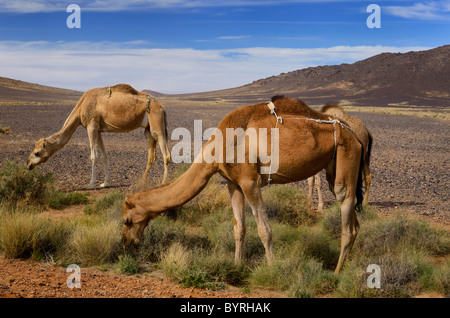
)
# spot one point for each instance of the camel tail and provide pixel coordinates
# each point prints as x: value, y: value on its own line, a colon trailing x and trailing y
x: 369, y: 148
x: 165, y: 124
x: 359, y: 183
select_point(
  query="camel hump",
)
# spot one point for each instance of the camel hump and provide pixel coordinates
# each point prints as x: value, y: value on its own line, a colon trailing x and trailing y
x: 276, y: 97
x: 124, y: 88
x: 330, y: 106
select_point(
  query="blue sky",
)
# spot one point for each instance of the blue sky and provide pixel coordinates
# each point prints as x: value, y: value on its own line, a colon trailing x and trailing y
x: 176, y: 46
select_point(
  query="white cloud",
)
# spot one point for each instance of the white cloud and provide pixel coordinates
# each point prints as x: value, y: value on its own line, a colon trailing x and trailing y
x: 25, y: 6
x: 83, y: 65
x: 429, y: 10
x: 233, y: 37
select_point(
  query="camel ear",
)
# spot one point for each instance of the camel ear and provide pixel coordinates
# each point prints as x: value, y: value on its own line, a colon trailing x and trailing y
x: 129, y: 204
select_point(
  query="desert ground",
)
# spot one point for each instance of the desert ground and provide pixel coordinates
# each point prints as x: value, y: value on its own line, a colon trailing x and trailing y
x: 410, y: 166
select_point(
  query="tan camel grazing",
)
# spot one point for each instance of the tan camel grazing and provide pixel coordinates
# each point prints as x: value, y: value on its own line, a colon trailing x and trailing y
x: 364, y: 136
x: 116, y: 109
x: 305, y: 147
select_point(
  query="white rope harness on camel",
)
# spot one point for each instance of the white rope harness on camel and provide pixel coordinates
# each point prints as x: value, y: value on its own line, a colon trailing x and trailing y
x: 271, y: 106
x: 334, y: 122
x: 330, y: 120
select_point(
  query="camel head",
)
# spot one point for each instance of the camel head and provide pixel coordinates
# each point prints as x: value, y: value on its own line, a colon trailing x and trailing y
x: 40, y: 154
x: 135, y: 220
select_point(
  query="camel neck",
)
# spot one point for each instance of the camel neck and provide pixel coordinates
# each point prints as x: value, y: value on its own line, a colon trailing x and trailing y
x: 178, y: 191
x: 62, y: 137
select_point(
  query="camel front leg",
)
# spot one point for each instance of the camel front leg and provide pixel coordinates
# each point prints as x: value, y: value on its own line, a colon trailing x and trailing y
x: 105, y: 161
x: 318, y: 180
x: 93, y: 134
x: 238, y: 204
x: 252, y: 193
x: 311, y: 191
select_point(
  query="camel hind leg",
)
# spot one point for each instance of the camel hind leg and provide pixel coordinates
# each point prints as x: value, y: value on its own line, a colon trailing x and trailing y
x: 98, y: 151
x: 105, y: 161
x: 163, y: 144
x: 151, y: 153
x: 158, y: 130
x: 317, y: 181
x: 252, y: 192
x: 345, y: 183
x: 367, y: 182
x: 350, y: 227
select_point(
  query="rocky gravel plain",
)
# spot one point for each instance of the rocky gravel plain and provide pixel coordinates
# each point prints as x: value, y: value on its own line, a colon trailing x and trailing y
x: 410, y: 165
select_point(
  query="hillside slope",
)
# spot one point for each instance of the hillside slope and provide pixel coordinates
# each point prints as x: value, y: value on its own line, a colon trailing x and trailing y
x: 414, y: 78
x: 14, y: 92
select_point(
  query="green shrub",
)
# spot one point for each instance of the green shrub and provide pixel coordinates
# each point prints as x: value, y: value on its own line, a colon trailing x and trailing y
x: 161, y: 234
x: 175, y: 260
x: 220, y: 266
x: 399, y: 278
x: 109, y: 202
x: 20, y: 185
x: 439, y: 280
x: 59, y: 200
x: 25, y: 235
x: 389, y: 235
x: 199, y: 279
x: 17, y: 183
x: 127, y: 264
x: 213, y: 198
x: 95, y: 245
x: 287, y: 204
x: 219, y: 230
x: 279, y: 275
x: 313, y: 280
x: 332, y: 221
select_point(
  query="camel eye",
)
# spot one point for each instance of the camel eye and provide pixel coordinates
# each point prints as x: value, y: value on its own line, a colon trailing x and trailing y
x: 37, y: 154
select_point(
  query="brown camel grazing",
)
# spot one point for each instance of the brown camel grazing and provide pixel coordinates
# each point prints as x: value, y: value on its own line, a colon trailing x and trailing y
x: 364, y: 136
x: 305, y: 147
x: 116, y: 109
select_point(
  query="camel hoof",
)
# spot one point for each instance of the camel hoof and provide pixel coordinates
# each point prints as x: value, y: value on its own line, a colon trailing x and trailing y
x: 90, y: 187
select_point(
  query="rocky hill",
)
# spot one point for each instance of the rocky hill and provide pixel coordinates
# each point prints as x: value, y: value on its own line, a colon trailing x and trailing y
x: 415, y: 78
x: 14, y: 92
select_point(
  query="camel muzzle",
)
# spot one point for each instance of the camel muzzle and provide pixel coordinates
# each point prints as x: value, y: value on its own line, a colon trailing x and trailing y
x: 30, y: 166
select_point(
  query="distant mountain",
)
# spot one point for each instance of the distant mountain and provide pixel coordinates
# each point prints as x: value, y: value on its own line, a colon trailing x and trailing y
x: 414, y: 78
x: 153, y: 93
x: 14, y: 92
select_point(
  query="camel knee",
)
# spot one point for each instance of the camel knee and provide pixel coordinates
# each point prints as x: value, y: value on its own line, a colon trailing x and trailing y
x: 239, y: 231
x: 167, y: 159
x: 94, y: 156
x: 340, y: 191
x: 265, y: 233
x: 367, y: 181
x: 147, y: 133
x: 151, y: 158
